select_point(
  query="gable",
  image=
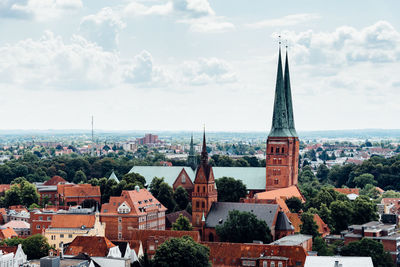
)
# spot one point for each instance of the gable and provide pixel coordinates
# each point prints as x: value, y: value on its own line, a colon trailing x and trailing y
x: 183, y: 179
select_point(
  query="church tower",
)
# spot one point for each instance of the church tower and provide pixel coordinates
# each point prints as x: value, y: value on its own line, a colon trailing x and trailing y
x: 192, y: 161
x: 205, y: 192
x: 282, y: 157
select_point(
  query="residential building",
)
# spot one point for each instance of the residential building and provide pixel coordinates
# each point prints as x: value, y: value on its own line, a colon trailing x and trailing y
x: 7, y: 233
x: 22, y: 228
x: 295, y: 240
x: 134, y: 209
x: 65, y: 227
x: 295, y: 219
x: 77, y: 194
x: 12, y: 256
x: 93, y: 246
x: 148, y: 139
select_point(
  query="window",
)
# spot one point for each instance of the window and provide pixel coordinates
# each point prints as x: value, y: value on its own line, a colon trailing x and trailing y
x: 272, y: 264
x: 204, y: 189
x: 70, y: 236
x: 48, y: 218
x: 197, y: 204
x: 151, y: 247
x: 249, y: 263
x: 37, y: 226
x: 203, y: 205
x: 272, y: 149
x: 119, y: 235
x: 265, y: 264
x: 114, y: 203
x: 119, y: 227
x: 277, y: 150
x: 183, y: 179
x: 40, y: 218
x: 283, y: 150
x: 105, y: 211
x: 276, y: 181
x: 280, y: 264
x: 119, y: 219
x: 61, y: 235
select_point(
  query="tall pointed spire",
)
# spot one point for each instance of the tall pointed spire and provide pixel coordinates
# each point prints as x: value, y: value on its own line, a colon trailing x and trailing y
x: 204, y: 154
x: 280, y: 126
x: 192, y: 161
x: 288, y: 95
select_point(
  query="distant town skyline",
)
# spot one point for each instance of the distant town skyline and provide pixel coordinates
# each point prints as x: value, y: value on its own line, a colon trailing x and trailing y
x: 178, y: 64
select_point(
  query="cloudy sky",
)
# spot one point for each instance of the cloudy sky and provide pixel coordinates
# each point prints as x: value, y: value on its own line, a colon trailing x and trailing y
x: 177, y: 64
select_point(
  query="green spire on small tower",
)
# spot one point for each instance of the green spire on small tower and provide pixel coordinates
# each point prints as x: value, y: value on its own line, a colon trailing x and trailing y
x: 288, y: 95
x: 192, y: 161
x: 280, y: 127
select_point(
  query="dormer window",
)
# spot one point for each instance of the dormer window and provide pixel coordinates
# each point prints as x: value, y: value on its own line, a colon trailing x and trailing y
x: 124, y: 208
x: 151, y: 200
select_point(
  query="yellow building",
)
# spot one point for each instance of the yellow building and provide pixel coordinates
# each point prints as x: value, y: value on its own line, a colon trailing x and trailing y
x: 65, y: 227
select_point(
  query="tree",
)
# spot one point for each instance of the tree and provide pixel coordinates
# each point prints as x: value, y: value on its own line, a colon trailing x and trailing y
x: 28, y: 194
x: 322, y: 173
x: 182, y: 224
x: 184, y: 251
x: 364, y: 179
x: 342, y: 214
x: 230, y: 189
x: 80, y: 176
x: 308, y: 225
x: 243, y: 227
x: 369, y: 248
x: 35, y: 246
x: 294, y: 204
x: 326, y: 215
x: 134, y: 178
x: 181, y: 197
x: 364, y: 210
x: 166, y: 196
x: 321, y: 248
x: 154, y: 187
x: 13, y: 196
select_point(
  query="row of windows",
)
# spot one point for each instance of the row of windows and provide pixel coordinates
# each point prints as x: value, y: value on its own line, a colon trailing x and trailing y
x: 41, y: 218
x: 203, y: 204
x: 53, y: 237
x: 277, y: 150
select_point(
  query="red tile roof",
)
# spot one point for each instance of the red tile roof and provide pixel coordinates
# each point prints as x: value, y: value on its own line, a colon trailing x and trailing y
x: 139, y: 202
x: 4, y: 187
x: 285, y: 193
x: 7, y: 233
x: 81, y: 190
x: 8, y: 249
x: 72, y: 220
x: 94, y: 246
x: 55, y: 180
x: 229, y: 254
x: 348, y: 191
x: 295, y: 219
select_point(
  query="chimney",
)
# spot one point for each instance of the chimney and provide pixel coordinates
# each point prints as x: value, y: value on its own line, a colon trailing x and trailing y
x: 336, y: 264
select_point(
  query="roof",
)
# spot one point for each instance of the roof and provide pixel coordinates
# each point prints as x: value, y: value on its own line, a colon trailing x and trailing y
x: 282, y: 222
x: 82, y: 190
x: 317, y: 261
x: 172, y: 217
x: 16, y: 225
x: 285, y: 193
x: 348, y: 191
x: 7, y: 233
x: 4, y: 187
x: 229, y: 254
x: 94, y: 246
x: 295, y: 219
x: 113, y: 177
x: 72, y: 220
x: 252, y: 177
x: 9, y: 249
x: 55, y: 180
x: 292, y: 240
x: 122, y: 245
x: 139, y: 201
x: 219, y: 212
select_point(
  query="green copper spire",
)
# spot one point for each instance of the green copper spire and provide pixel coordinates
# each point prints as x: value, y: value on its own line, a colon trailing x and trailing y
x: 288, y: 95
x: 192, y: 161
x: 280, y: 126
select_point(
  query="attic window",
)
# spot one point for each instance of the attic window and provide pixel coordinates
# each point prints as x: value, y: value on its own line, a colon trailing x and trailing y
x: 145, y: 201
x: 183, y: 179
x: 140, y: 202
x: 151, y: 200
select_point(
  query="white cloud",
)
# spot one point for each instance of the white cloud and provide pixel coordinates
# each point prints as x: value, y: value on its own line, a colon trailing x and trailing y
x: 50, y: 63
x: 198, y: 14
x: 138, y: 9
x: 377, y: 43
x: 38, y: 9
x: 289, y: 20
x: 143, y: 72
x: 208, y: 70
x: 102, y: 28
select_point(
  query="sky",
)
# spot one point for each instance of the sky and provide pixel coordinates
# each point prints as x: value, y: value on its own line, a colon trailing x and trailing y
x: 180, y: 64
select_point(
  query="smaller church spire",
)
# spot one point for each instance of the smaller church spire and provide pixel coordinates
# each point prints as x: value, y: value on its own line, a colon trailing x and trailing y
x: 288, y: 96
x: 204, y: 154
x: 192, y: 161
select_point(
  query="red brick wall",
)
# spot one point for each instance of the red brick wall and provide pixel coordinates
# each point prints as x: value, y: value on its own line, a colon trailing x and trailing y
x: 112, y: 225
x: 282, y: 167
x: 41, y: 220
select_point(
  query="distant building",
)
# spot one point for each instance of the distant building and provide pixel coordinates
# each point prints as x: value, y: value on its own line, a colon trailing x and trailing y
x: 338, y: 261
x: 295, y: 240
x: 22, y: 228
x: 148, y: 139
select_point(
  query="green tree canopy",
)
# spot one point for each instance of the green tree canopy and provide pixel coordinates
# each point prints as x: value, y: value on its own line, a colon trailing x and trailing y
x: 368, y: 248
x: 321, y: 247
x: 308, y: 225
x: 181, y: 198
x: 364, y: 179
x: 166, y: 196
x: 230, y: 189
x: 364, y: 210
x: 243, y: 227
x: 35, y: 246
x: 342, y: 214
x: 182, y: 224
x: 80, y: 176
x: 179, y: 252
x: 294, y: 204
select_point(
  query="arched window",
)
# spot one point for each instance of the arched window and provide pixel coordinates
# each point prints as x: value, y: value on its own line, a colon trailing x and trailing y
x: 203, y: 205
x: 211, y: 237
x: 272, y: 149
x: 277, y: 150
x: 197, y: 204
x: 283, y: 150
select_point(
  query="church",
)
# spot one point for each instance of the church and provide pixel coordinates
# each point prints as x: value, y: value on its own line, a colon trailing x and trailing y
x: 268, y: 187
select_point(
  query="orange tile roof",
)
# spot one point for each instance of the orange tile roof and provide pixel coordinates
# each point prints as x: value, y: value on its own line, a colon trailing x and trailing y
x: 55, y: 180
x: 295, y: 219
x: 4, y: 187
x: 380, y: 190
x: 229, y: 254
x: 285, y: 193
x: 348, y: 191
x: 94, y: 246
x: 139, y: 202
x: 7, y: 233
x: 81, y: 190
x: 72, y: 220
